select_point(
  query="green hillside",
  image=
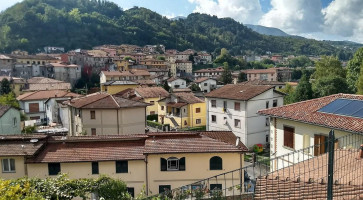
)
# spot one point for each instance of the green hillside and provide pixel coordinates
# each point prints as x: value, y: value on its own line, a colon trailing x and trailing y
x: 33, y: 24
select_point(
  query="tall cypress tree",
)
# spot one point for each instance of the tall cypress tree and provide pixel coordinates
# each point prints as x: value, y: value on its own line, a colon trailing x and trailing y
x: 303, y: 91
x: 360, y: 81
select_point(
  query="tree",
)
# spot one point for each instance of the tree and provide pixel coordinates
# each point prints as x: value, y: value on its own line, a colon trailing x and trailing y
x: 242, y: 77
x: 303, y: 91
x: 329, y: 85
x: 290, y: 94
x: 353, y: 69
x: 328, y: 66
x: 195, y: 88
x: 5, y: 86
x: 226, y: 76
x: 160, y: 58
x: 9, y: 99
x: 360, y: 81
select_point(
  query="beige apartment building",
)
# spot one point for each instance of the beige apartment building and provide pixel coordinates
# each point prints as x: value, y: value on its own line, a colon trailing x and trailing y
x: 105, y: 114
x: 154, y: 160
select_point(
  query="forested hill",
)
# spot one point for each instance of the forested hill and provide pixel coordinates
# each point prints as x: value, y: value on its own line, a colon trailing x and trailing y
x: 33, y: 24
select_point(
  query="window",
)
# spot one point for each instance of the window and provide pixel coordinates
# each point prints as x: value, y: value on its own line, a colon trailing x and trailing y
x: 267, y: 122
x: 185, y: 122
x: 198, y: 121
x: 225, y: 105
x: 289, y: 137
x: 131, y: 191
x: 8, y: 165
x: 215, y: 163
x: 164, y: 188
x: 33, y: 107
x: 162, y: 107
x: 54, y: 168
x: 274, y: 104
x: 214, y: 187
x: 172, y: 164
x: 93, y: 131
x: 267, y: 138
x: 214, y: 118
x: 267, y: 104
x: 93, y: 114
x: 237, y: 106
x: 95, y: 168
x: 15, y: 121
x: 205, y: 84
x: 152, y: 102
x: 122, y: 166
x: 320, y: 144
x: 197, y: 110
x: 214, y: 103
x: 237, y: 123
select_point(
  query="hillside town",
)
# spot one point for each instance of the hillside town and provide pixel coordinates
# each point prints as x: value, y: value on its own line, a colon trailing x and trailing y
x: 153, y: 121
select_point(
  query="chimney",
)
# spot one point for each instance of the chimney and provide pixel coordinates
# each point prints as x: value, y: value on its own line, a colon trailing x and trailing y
x: 360, y: 154
x: 238, y: 140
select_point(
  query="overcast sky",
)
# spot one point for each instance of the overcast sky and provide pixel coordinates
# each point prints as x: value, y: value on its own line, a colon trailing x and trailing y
x: 318, y: 19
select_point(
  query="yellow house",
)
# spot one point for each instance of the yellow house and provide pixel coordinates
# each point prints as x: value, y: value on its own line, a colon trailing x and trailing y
x: 116, y: 81
x: 151, y: 95
x: 122, y: 65
x: 138, y: 160
x: 114, y: 87
x: 182, y: 110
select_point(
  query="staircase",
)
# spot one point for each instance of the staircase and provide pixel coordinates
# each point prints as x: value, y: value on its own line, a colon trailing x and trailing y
x: 174, y: 122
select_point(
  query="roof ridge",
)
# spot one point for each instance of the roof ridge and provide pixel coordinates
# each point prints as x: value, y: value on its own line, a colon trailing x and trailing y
x: 115, y: 101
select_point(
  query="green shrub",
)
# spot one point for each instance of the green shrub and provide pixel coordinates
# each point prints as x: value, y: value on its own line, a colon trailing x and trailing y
x: 152, y: 118
x: 154, y: 124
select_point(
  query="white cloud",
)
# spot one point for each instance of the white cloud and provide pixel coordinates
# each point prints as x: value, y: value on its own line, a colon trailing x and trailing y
x: 294, y: 16
x: 345, y: 18
x: 245, y: 11
x: 7, y: 3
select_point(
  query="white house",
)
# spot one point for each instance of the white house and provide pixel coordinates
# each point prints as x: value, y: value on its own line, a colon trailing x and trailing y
x: 206, y: 84
x: 234, y: 107
x: 304, y: 124
x: 33, y: 103
x: 177, y: 83
x: 53, y: 107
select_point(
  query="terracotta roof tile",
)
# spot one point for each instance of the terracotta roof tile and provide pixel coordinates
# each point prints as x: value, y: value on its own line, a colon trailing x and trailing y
x: 188, y: 97
x: 189, y: 143
x: 145, y: 82
x: 90, y: 151
x: 218, y: 69
x: 4, y: 109
x: 173, y: 79
x: 104, y: 100
x: 200, y: 80
x: 176, y: 90
x: 347, y: 173
x: 43, y: 80
x: 242, y: 92
x: 259, y: 71
x: 307, y: 112
x: 45, y: 94
x: 150, y: 92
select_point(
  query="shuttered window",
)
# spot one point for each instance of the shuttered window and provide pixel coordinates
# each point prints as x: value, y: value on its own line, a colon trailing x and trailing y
x: 122, y: 166
x: 289, y: 137
x: 34, y: 107
x: 95, y: 168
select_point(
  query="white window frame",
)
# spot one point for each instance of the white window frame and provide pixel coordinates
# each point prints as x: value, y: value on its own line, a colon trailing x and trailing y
x: 9, y: 165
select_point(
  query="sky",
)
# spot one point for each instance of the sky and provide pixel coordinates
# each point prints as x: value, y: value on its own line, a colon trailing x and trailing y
x: 317, y: 19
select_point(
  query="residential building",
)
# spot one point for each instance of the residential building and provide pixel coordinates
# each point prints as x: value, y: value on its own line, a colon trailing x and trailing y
x: 203, y: 58
x: 277, y: 58
x: 276, y: 84
x: 9, y: 120
x: 33, y: 59
x: 17, y: 84
x: 66, y: 73
x: 126, y: 48
x: 42, y: 83
x: 206, y: 84
x: 234, y: 108
x: 210, y: 72
x: 131, y: 75
x: 27, y: 71
x: 182, y: 110
x: 307, y: 123
x: 105, y: 114
x: 181, y: 67
x: 122, y: 64
x: 261, y: 74
x: 33, y: 103
x: 153, y: 63
x: 177, y: 83
x: 158, y: 75
x: 6, y: 63
x: 182, y: 56
x: 138, y: 160
x: 154, y: 48
x: 49, y: 49
x: 113, y: 87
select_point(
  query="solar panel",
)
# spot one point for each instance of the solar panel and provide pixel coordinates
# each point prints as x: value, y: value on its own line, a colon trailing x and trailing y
x: 346, y: 107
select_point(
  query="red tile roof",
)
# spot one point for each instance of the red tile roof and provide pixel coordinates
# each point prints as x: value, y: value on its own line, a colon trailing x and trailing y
x: 242, y: 92
x: 173, y: 79
x: 307, y: 112
x: 200, y: 80
x: 218, y: 69
x: 46, y: 94
x: 198, y: 142
x: 188, y: 97
x: 259, y: 71
x: 19, y: 145
x: 103, y: 101
x: 151, y: 92
x: 90, y: 151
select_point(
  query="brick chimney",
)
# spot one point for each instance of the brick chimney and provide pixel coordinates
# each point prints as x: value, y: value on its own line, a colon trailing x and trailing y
x: 360, y: 155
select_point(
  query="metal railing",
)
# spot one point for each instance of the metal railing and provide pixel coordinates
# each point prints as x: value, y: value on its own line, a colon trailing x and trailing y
x: 331, y: 169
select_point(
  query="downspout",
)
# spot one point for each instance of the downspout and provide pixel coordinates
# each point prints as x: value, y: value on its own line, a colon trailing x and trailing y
x: 147, y: 176
x: 275, y: 139
x: 118, y: 123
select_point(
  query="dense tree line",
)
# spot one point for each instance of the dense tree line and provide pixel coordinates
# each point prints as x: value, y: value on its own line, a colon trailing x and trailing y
x: 33, y: 24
